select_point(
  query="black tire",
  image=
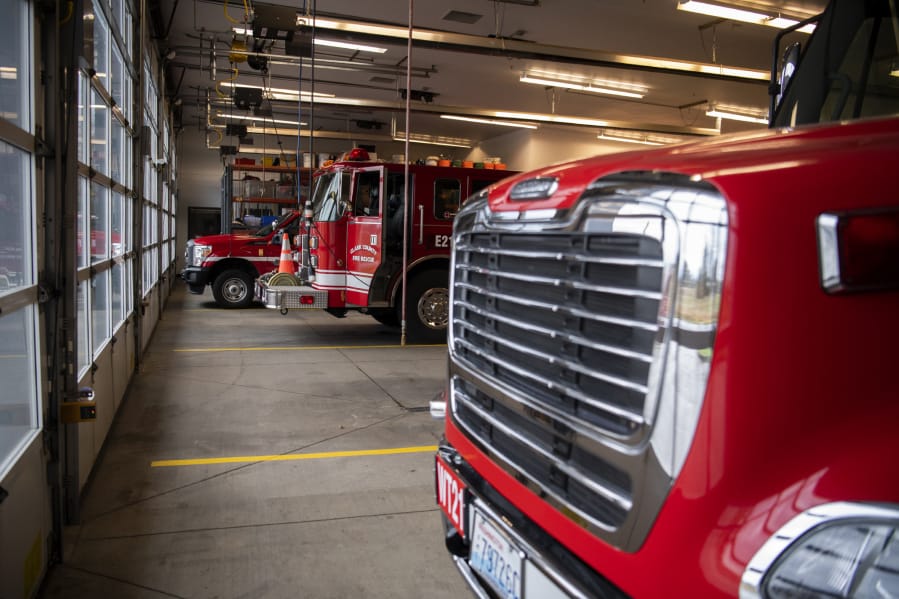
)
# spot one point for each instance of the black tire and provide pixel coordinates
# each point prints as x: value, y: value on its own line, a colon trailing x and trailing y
x: 386, y: 316
x: 427, y: 308
x: 233, y: 289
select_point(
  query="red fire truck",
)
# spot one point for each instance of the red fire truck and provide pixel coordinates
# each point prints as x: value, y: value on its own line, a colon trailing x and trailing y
x: 230, y: 262
x: 356, y: 255
x: 673, y: 373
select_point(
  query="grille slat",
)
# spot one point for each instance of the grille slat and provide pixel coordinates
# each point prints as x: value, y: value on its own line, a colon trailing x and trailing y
x: 570, y: 338
x: 562, y: 283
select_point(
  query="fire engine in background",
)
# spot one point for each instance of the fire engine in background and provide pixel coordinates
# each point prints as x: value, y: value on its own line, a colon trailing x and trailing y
x: 231, y: 262
x: 673, y: 373
x: 355, y: 256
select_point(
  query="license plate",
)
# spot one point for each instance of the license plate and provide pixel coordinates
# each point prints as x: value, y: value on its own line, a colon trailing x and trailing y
x: 495, y: 558
x: 451, y: 495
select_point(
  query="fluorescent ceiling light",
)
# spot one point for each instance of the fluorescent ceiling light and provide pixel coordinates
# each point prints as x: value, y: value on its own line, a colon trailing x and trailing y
x: 629, y: 92
x: 276, y: 93
x: 629, y: 140
x: 325, y: 42
x: 349, y: 46
x: 740, y: 14
x: 8, y: 73
x: 637, y: 137
x: 747, y: 115
x: 263, y: 119
x: 436, y: 140
x: 551, y: 118
x: 488, y: 121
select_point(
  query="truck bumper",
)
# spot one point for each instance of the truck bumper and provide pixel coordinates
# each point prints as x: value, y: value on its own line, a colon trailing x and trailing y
x: 547, y: 569
x: 196, y: 278
x: 302, y: 297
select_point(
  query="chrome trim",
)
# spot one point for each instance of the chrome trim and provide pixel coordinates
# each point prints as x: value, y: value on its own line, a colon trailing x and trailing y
x: 800, y: 525
x: 829, y: 251
x: 580, y: 347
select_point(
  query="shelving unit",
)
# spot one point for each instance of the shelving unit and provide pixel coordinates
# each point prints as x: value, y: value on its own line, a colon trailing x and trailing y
x: 260, y: 191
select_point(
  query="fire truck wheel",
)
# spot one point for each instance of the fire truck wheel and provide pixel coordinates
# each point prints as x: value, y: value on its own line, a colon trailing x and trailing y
x: 233, y: 289
x: 427, y: 308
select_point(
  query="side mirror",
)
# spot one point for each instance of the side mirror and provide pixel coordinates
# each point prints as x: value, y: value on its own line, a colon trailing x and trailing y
x: 788, y: 66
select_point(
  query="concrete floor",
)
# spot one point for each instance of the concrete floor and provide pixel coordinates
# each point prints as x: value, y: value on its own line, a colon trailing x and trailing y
x: 244, y: 384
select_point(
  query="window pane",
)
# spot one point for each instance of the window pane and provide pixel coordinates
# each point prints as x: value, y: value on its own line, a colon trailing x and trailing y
x: 83, y: 155
x: 101, y: 48
x: 15, y: 69
x: 83, y: 318
x: 116, y: 153
x: 117, y: 222
x: 99, y: 222
x: 117, y: 291
x: 99, y: 310
x: 116, y: 77
x: 81, y: 235
x: 18, y: 377
x: 15, y: 218
x: 99, y: 144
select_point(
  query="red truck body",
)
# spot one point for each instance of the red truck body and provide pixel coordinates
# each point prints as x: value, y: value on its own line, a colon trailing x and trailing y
x: 357, y: 259
x: 800, y: 403
x: 672, y: 372
x: 229, y: 263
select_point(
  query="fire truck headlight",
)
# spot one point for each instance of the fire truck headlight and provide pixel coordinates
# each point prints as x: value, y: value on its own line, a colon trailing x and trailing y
x: 200, y: 253
x: 846, y: 550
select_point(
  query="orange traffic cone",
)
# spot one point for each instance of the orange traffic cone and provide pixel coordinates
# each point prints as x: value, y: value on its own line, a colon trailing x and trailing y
x: 286, y: 264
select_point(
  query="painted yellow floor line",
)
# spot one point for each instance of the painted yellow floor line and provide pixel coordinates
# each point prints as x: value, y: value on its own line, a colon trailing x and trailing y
x: 292, y: 456
x: 297, y: 348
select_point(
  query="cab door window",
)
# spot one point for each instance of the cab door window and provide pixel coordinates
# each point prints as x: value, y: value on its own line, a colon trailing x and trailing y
x: 447, y: 196
x: 366, y: 200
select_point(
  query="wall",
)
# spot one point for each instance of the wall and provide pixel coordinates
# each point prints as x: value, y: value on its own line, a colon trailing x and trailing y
x: 527, y: 149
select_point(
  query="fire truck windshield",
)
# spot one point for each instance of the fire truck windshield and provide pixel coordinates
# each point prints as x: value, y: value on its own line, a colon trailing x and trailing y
x: 330, y: 199
x: 850, y: 69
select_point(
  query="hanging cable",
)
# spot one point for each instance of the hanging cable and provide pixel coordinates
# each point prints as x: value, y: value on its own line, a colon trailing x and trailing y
x: 246, y: 12
x: 406, y: 206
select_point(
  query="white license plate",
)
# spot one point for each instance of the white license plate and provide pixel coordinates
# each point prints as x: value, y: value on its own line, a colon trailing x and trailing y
x: 451, y: 495
x: 494, y: 557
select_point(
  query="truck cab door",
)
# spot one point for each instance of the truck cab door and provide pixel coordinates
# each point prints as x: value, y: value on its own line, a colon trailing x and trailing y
x: 364, y: 239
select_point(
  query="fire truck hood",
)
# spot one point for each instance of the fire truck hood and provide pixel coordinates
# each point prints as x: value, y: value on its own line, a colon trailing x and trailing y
x: 768, y: 159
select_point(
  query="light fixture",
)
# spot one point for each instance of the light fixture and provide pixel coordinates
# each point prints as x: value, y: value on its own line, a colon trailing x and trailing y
x: 242, y: 117
x: 326, y: 42
x: 734, y: 113
x: 745, y: 15
x: 551, y: 118
x: 488, y: 121
x: 606, y: 87
x: 276, y: 93
x: 349, y: 46
x: 435, y: 140
x: 894, y: 69
x: 637, y: 137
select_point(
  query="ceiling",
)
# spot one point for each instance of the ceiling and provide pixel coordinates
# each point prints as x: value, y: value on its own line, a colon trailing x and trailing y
x: 467, y: 59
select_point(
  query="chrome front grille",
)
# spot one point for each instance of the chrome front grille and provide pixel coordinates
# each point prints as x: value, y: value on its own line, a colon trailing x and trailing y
x: 571, y: 325
x: 560, y: 335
